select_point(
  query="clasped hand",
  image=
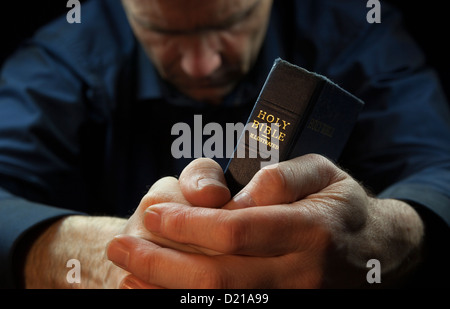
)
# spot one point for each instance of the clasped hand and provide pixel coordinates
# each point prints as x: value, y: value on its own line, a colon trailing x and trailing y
x: 302, y: 223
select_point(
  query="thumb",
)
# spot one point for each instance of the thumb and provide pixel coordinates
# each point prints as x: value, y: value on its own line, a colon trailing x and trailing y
x: 203, y: 184
x: 287, y: 182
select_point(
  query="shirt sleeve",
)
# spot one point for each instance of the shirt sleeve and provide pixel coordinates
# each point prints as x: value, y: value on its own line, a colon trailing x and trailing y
x: 41, y: 113
x: 58, y: 95
x: 400, y: 147
x: 19, y: 219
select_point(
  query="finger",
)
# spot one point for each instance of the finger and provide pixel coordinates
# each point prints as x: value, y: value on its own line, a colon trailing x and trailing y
x: 261, y: 231
x: 156, y: 266
x: 287, y: 182
x: 165, y: 190
x: 203, y: 184
x: 131, y: 282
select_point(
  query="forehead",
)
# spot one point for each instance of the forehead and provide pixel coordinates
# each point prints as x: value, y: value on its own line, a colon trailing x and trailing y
x: 179, y: 14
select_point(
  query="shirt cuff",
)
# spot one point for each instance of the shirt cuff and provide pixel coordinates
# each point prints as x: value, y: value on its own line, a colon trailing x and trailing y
x: 421, y: 195
x: 17, y: 217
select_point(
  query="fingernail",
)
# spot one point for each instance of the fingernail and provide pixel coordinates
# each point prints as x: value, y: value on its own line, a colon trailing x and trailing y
x: 204, y: 182
x: 243, y: 200
x: 152, y: 220
x: 118, y: 253
x: 130, y: 283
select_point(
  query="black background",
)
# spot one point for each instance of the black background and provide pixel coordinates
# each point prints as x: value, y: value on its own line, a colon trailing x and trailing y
x: 427, y: 21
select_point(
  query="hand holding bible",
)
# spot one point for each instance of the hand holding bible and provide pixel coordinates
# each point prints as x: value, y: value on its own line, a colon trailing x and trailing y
x: 302, y: 223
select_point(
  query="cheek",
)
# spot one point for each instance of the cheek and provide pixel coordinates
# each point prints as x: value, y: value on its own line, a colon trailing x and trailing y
x: 237, y: 50
x: 244, y: 43
x: 163, y: 53
x: 164, y: 59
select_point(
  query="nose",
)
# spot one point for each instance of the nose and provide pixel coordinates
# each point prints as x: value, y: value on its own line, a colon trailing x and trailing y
x: 200, y: 56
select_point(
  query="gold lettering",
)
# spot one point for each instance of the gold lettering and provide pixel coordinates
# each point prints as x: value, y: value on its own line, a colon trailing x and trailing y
x: 285, y: 124
x: 272, y: 118
x: 274, y: 135
x: 267, y: 130
x: 269, y: 118
x: 261, y: 127
x: 262, y: 114
x: 264, y: 141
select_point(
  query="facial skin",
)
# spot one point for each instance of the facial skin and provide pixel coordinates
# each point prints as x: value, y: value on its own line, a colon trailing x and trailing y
x: 201, y: 47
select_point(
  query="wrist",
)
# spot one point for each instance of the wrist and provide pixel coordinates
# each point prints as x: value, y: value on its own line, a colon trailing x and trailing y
x: 400, y: 232
x: 75, y: 237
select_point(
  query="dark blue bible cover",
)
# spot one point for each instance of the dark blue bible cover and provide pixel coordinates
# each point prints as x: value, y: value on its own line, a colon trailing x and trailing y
x: 297, y: 112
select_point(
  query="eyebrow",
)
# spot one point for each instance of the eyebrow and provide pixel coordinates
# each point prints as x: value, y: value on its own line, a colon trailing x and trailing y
x: 227, y: 23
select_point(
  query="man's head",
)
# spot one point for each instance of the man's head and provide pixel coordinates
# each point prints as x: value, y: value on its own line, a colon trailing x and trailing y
x: 202, y: 47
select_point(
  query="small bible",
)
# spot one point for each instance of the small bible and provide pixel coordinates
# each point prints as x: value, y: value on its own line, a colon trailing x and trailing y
x: 297, y: 112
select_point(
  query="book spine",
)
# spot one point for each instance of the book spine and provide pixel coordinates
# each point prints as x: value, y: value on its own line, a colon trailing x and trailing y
x: 297, y: 112
x: 329, y: 124
x: 265, y: 140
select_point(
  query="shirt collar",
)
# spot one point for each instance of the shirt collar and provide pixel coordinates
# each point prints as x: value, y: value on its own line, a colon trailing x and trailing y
x: 148, y: 78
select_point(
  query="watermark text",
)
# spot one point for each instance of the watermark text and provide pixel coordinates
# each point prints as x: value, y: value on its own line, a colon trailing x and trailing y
x: 74, y: 274
x: 74, y: 14
x: 212, y: 140
x: 374, y: 274
x: 374, y: 14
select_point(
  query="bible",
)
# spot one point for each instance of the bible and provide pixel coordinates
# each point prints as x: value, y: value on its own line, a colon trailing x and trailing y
x: 297, y: 112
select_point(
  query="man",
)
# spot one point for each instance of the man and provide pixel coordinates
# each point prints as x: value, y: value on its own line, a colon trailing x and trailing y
x: 86, y: 118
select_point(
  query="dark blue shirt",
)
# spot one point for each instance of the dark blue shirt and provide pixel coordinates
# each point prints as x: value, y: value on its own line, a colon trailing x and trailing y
x: 85, y: 120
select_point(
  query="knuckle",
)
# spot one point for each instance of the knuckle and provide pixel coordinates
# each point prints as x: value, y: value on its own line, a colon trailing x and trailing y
x: 157, y: 193
x: 209, y: 280
x: 148, y: 199
x: 320, y: 161
x: 144, y: 264
x: 275, y: 176
x: 175, y: 221
x: 233, y: 234
x: 210, y: 277
x: 327, y: 172
x: 271, y: 180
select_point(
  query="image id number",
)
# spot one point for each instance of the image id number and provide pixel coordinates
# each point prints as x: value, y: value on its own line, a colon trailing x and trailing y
x: 246, y: 298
